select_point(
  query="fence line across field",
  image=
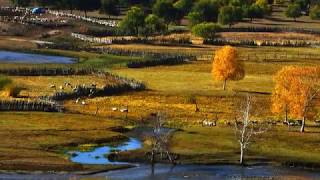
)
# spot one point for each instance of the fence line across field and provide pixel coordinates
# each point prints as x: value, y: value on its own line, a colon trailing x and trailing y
x: 268, y: 56
x: 110, y: 23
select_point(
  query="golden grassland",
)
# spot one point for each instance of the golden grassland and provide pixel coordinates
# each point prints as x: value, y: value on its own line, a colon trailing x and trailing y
x: 170, y: 87
x: 169, y: 90
x: 278, y: 145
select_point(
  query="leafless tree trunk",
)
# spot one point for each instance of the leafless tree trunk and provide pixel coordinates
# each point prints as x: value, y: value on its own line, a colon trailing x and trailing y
x: 307, y: 106
x: 245, y: 129
x: 160, y: 139
x: 224, y: 84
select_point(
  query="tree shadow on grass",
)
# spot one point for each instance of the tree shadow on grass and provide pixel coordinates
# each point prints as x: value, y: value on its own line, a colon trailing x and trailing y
x: 288, y: 21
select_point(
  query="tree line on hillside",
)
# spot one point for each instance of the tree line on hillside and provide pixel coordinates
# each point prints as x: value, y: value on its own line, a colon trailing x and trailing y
x: 207, y: 13
x: 206, y: 16
x: 110, y: 7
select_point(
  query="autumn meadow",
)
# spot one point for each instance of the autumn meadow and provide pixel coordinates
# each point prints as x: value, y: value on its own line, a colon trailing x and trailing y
x: 163, y: 89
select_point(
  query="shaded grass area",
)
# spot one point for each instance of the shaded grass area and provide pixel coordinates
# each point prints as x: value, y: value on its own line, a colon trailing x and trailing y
x: 36, y: 141
x: 219, y: 145
x: 4, y: 81
x: 278, y: 19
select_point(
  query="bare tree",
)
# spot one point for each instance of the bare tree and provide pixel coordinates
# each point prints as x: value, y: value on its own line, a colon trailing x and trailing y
x: 160, y: 140
x: 246, y: 129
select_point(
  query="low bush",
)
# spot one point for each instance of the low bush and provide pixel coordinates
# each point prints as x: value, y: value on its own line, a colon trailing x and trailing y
x: 4, y: 81
x: 206, y: 30
x: 160, y: 61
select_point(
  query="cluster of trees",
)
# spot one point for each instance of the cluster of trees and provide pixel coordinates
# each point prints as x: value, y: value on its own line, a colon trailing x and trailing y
x: 163, y: 12
x: 296, y: 88
x: 227, y: 12
x: 110, y: 7
x: 296, y: 94
x: 224, y: 12
x: 309, y: 7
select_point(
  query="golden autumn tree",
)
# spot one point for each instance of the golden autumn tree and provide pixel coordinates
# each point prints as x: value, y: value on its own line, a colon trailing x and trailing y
x: 225, y: 65
x: 295, y: 91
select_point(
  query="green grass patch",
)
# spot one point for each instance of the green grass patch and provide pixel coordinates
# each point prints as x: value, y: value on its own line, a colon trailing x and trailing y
x: 4, y: 81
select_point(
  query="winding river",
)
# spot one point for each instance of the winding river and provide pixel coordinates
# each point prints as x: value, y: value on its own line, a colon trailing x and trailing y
x: 166, y: 171
x: 99, y: 155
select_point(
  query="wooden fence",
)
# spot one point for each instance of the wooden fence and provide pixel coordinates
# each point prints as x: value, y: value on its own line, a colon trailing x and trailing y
x: 276, y: 43
x: 110, y: 23
x: 24, y: 105
x: 46, y: 71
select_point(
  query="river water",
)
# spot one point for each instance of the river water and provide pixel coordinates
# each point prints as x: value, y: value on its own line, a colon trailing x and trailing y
x: 29, y: 58
x: 184, y: 172
x: 98, y: 155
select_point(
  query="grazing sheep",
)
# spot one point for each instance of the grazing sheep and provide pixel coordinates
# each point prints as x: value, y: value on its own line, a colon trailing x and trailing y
x: 83, y: 103
x: 61, y: 88
x: 124, y: 110
x: 208, y: 123
x: 67, y: 84
x: 77, y: 100
x: 114, y: 109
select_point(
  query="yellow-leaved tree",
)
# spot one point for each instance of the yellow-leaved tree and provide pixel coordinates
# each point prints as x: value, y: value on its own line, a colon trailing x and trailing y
x: 295, y: 91
x: 226, y: 66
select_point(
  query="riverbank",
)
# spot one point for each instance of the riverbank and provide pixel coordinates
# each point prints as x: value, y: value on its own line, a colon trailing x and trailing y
x: 39, y: 142
x: 218, y: 146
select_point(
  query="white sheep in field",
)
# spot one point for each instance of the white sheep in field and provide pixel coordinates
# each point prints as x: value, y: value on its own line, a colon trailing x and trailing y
x: 114, y: 109
x: 77, y: 100
x: 208, y: 123
x: 83, y: 103
x: 124, y: 110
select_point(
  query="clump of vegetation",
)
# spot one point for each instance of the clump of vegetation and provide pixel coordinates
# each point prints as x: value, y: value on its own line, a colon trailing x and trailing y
x: 228, y: 15
x: 4, y: 81
x: 206, y: 30
x: 293, y: 11
x: 315, y: 12
x: 8, y: 88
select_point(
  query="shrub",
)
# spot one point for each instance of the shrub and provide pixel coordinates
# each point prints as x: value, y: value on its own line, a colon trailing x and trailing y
x: 228, y: 15
x: 315, y: 12
x: 154, y: 24
x: 206, y: 30
x: 4, y: 81
x: 161, y: 61
x: 293, y: 11
x: 253, y: 11
x: 12, y: 91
